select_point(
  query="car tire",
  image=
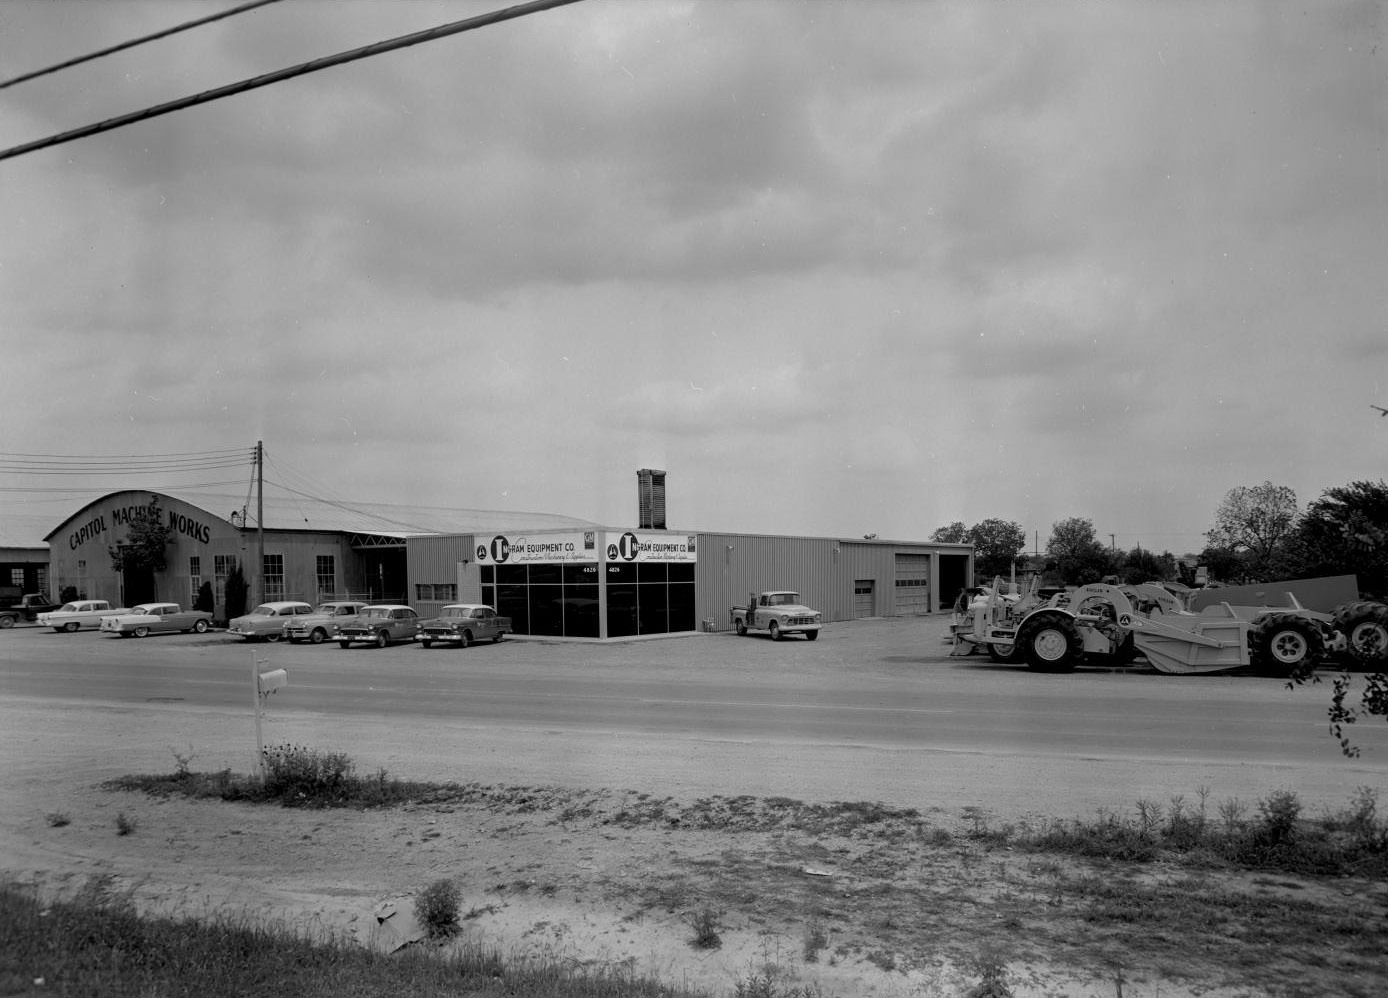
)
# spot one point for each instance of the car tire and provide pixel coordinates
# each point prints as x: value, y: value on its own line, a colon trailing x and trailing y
x: 496, y: 638
x: 142, y: 632
x: 200, y: 627
x: 427, y: 642
x: 272, y: 638
x: 465, y: 639
x: 317, y: 636
x: 741, y: 628
x: 774, y: 629
x: 344, y: 645
x: 382, y: 639
x: 71, y: 626
x: 7, y: 620
x: 811, y: 635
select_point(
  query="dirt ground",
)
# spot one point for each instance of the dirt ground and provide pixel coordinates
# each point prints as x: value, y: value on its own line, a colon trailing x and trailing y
x: 612, y: 877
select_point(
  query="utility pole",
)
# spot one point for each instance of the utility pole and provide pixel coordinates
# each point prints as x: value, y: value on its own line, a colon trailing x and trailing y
x: 260, y: 520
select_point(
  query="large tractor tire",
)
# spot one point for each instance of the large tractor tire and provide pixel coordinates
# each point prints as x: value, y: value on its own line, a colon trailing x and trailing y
x: 1365, y: 627
x: 1281, y: 644
x: 1051, y: 642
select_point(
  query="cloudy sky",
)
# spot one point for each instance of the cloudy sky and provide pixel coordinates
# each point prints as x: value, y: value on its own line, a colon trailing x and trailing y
x: 838, y: 268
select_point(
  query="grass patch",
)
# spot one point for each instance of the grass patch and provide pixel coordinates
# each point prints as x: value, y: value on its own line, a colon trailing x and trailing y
x: 97, y: 945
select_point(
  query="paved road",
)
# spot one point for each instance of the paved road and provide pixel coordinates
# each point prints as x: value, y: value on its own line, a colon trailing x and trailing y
x: 873, y: 709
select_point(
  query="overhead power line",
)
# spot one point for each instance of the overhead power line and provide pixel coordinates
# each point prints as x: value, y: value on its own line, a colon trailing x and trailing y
x: 404, y: 41
x: 134, y: 42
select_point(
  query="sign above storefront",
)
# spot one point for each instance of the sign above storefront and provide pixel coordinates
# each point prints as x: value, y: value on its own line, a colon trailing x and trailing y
x: 631, y: 546
x: 539, y: 549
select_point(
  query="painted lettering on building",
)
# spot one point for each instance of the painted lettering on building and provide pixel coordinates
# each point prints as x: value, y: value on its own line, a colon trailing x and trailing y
x: 124, y: 516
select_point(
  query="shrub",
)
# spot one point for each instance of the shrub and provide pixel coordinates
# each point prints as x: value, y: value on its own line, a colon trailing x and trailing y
x: 57, y: 819
x: 299, y: 775
x: 205, y: 600
x: 125, y: 825
x: 436, y: 909
x: 236, y: 588
x: 705, y: 925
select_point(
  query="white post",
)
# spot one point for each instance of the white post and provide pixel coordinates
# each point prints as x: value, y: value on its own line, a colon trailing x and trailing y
x: 255, y: 700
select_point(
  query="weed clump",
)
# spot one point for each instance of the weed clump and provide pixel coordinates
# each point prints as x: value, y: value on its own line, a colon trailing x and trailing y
x: 436, y: 909
x: 704, y: 922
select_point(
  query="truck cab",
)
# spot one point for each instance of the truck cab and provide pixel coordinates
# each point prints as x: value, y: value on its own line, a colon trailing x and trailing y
x: 778, y: 612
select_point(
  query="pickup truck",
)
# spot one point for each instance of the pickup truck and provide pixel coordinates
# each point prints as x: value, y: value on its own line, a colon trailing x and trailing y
x: 778, y: 612
x: 27, y: 607
x: 464, y: 623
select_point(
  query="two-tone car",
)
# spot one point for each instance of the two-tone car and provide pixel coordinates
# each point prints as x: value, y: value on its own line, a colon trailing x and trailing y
x: 266, y: 622
x: 324, y: 622
x: 380, y: 626
x: 462, y: 624
x: 79, y: 614
x: 145, y: 619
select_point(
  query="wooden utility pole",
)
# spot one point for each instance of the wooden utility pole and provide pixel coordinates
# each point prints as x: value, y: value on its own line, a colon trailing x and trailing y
x: 260, y: 520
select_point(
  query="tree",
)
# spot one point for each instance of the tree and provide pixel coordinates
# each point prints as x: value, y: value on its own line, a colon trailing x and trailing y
x: 236, y: 589
x: 955, y: 533
x: 205, y: 600
x: 1344, y: 532
x: 143, y: 548
x: 1075, y: 553
x: 1141, y: 565
x: 1255, y: 519
x: 997, y: 544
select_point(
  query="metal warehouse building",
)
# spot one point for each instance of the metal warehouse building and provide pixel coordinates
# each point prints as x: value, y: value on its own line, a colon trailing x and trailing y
x: 553, y: 575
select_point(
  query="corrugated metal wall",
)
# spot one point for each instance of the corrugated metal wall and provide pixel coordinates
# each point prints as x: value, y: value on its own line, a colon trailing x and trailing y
x: 434, y: 560
x: 823, y: 570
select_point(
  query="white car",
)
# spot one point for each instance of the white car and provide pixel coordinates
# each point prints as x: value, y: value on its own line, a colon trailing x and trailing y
x: 323, y: 622
x: 79, y: 614
x: 266, y: 622
x: 155, y: 618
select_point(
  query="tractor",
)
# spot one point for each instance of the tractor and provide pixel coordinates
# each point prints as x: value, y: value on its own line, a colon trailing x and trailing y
x: 1114, y: 624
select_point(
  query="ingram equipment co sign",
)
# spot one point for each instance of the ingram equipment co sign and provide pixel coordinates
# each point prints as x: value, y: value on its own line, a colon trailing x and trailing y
x: 586, y: 546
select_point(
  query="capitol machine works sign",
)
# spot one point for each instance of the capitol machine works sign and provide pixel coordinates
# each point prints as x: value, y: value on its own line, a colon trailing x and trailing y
x: 584, y: 546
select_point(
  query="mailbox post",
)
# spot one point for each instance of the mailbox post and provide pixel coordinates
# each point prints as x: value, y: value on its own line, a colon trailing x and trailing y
x: 262, y: 685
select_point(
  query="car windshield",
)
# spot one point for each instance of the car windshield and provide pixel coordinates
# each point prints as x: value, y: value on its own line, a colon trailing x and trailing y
x: 68, y: 608
x: 374, y: 611
x: 782, y: 599
x: 263, y: 611
x: 144, y: 608
x: 345, y: 611
x: 454, y: 611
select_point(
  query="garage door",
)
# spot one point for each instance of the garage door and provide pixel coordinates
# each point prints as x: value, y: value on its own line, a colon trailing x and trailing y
x: 912, y: 584
x: 862, y: 598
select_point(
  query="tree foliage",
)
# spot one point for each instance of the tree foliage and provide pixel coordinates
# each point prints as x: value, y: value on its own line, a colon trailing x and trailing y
x: 236, y: 590
x: 1075, y: 554
x: 997, y: 543
x: 144, y: 545
x: 1344, y: 532
x: 1253, y: 521
x: 955, y: 533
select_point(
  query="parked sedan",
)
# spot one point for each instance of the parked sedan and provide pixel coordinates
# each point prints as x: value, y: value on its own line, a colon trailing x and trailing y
x: 323, y: 623
x: 79, y: 614
x: 266, y: 622
x: 380, y: 625
x: 156, y: 618
x: 464, y: 623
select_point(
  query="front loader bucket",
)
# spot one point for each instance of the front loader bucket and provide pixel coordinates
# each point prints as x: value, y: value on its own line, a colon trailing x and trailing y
x: 1185, y: 643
